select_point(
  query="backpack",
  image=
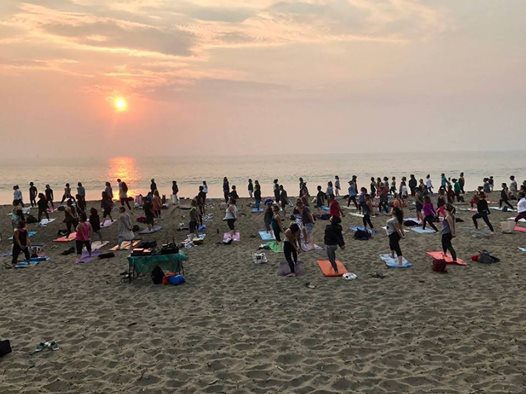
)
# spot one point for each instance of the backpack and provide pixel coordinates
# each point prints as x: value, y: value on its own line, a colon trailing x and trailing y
x: 486, y: 258
x: 31, y: 219
x: 362, y: 235
x: 157, y: 275
x: 439, y: 265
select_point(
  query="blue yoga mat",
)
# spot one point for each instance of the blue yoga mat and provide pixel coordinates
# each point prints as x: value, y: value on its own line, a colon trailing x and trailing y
x: 255, y: 210
x: 393, y: 263
x: 265, y: 236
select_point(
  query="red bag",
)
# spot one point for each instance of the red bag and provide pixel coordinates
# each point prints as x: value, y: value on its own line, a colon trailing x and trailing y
x: 439, y: 265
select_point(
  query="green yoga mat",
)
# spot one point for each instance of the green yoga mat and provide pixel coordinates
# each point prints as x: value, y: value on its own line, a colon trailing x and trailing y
x: 276, y: 247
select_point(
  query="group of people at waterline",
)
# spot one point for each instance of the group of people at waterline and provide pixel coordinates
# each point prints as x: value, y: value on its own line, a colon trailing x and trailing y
x: 384, y: 196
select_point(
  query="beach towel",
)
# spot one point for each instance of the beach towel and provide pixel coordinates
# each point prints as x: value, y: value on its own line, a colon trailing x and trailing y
x: 126, y: 245
x: 310, y: 247
x: 154, y: 229
x: 420, y: 230
x: 45, y: 222
x: 267, y: 236
x: 520, y: 229
x: 438, y: 255
x: 86, y: 258
x: 107, y: 223
x: 393, y: 262
x: 31, y: 234
x: 68, y: 239
x: 256, y: 210
x: 284, y: 269
x: 276, y: 247
x: 327, y: 270
x: 32, y: 262
x: 228, y: 236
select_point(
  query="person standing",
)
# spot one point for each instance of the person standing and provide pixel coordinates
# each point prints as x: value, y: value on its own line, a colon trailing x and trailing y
x: 194, y: 219
x: 157, y: 204
x: 291, y: 247
x: 71, y: 217
x: 175, y: 190
x: 106, y: 205
x: 226, y: 189
x: 250, y: 188
x: 395, y: 233
x: 412, y: 184
x: 330, y: 188
x: 334, y: 207
x: 231, y: 217
x: 153, y: 185
x: 94, y: 220
x: 42, y: 205
x: 233, y: 194
x: 257, y: 194
x: 67, y: 194
x: 337, y: 186
x: 504, y: 197
x: 123, y: 193
x: 205, y: 188
x: 448, y: 232
x: 513, y: 188
x: 21, y: 243
x: 81, y: 197
x: 462, y: 183
x: 283, y: 198
x: 429, y: 184
x: 201, y: 204
x: 332, y: 239
x: 49, y: 196
x: 367, y: 209
x: 482, y: 211
x: 373, y: 187
x: 125, y: 227
x: 276, y: 191
x: 83, y: 235
x: 276, y: 222
x: 148, y: 211
x: 352, y: 194
x: 17, y: 196
x: 429, y: 214
x: 32, y: 194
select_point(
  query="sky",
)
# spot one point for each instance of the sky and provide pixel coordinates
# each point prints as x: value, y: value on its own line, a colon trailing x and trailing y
x: 227, y: 77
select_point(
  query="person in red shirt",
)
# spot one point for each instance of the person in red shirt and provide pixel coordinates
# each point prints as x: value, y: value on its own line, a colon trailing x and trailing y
x: 334, y: 207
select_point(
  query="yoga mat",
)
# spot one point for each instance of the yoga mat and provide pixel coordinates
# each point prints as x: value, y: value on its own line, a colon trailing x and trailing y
x: 276, y: 247
x: 284, y: 269
x: 438, y: 255
x: 32, y: 262
x: 255, y: 210
x: 359, y: 215
x: 86, y: 258
x: 126, y: 245
x: 520, y: 229
x: 361, y: 228
x: 420, y: 230
x: 522, y: 249
x: 327, y: 270
x: 227, y: 236
x: 393, y: 263
x: 325, y: 208
x: 31, y: 234
x: 153, y: 230
x: 96, y: 245
x: 267, y: 236
x: 500, y: 209
x: 106, y: 223
x: 64, y: 239
x: 45, y: 222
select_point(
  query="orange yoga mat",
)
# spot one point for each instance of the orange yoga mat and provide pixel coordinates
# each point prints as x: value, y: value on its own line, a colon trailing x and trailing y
x: 64, y: 239
x: 449, y: 260
x: 326, y: 268
x: 521, y: 229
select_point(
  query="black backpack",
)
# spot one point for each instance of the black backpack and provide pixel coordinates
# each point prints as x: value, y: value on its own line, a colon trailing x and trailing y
x: 157, y: 275
x: 486, y: 258
x: 362, y: 235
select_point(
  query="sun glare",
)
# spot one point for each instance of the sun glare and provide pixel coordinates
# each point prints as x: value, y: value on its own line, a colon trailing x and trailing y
x: 120, y: 104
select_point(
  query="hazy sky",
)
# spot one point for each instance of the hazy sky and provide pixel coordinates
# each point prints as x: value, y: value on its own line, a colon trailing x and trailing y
x: 261, y: 76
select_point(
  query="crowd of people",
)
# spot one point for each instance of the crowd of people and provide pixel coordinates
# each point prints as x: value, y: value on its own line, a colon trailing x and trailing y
x: 384, y: 196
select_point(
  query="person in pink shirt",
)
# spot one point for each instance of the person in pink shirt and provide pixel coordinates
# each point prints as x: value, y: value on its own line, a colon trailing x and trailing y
x: 83, y: 237
x: 429, y: 214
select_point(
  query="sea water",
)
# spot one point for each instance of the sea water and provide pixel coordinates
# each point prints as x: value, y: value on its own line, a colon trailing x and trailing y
x: 316, y: 170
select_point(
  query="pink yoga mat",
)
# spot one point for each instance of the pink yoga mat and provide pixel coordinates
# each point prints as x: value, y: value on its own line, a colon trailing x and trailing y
x: 64, y: 239
x: 520, y: 229
x: 227, y: 236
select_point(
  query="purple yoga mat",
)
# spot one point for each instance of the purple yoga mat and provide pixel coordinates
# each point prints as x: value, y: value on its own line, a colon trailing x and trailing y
x: 284, y: 269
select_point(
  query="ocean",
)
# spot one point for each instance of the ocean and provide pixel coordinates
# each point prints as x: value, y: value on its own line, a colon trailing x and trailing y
x: 189, y: 172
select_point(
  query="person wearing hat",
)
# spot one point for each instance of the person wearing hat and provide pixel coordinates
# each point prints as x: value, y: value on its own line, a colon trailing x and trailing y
x: 332, y: 239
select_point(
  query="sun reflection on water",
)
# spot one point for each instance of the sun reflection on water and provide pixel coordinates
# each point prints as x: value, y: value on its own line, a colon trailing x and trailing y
x: 124, y: 168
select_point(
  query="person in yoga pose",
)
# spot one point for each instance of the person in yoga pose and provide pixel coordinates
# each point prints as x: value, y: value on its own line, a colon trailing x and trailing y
x: 231, y: 217
x: 276, y: 191
x: 94, y: 220
x: 250, y: 188
x: 429, y: 214
x: 352, y: 194
x: 449, y: 231
x: 42, y: 206
x: 123, y: 193
x: 175, y: 190
x: 71, y: 217
x: 513, y: 188
x: 332, y: 239
x: 320, y: 199
x: 283, y: 198
x: 83, y: 235
x: 482, y: 211
x: 49, y: 196
x: 505, y: 196
x: 276, y: 222
x: 268, y: 215
x: 32, y: 194
x: 291, y: 247
x: 395, y: 232
x: 521, y: 207
x: 21, y: 243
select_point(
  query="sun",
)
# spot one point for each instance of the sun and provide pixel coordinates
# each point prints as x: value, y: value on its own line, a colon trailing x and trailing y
x: 120, y: 104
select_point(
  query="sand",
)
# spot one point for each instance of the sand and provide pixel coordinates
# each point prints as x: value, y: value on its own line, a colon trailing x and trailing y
x: 235, y: 326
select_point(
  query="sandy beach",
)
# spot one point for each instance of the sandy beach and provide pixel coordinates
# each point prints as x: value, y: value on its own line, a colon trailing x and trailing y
x: 235, y: 326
